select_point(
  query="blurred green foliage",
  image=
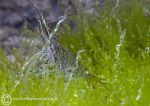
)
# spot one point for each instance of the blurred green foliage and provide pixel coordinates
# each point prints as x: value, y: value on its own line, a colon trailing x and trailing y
x: 111, y: 79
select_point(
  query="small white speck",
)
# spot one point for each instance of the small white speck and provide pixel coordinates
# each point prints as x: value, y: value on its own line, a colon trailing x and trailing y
x: 139, y: 95
x: 75, y: 95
